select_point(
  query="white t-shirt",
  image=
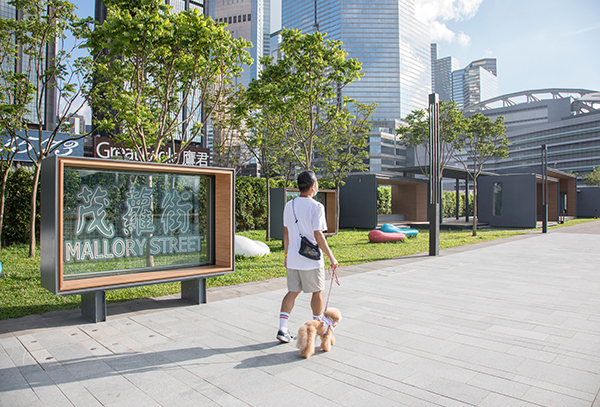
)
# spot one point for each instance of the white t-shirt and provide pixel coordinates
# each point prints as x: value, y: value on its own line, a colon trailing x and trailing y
x: 311, y: 217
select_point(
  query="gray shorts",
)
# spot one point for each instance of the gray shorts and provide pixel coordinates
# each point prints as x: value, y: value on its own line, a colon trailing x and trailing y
x: 309, y: 281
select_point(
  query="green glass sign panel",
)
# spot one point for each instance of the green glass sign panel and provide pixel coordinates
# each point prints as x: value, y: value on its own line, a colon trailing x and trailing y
x: 123, y: 222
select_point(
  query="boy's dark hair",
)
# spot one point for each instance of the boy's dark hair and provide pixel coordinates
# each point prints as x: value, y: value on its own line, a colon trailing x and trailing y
x: 305, y: 180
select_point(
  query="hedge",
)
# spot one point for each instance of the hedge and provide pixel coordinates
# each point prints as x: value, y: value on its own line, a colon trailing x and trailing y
x: 384, y: 200
x: 250, y: 203
x: 251, y: 200
x: 449, y: 202
x: 15, y: 228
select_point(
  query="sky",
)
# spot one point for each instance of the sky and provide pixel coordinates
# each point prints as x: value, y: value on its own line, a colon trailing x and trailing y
x: 538, y: 44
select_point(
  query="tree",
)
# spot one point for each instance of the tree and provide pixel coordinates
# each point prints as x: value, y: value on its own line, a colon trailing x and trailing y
x: 592, y: 178
x: 228, y: 152
x: 262, y: 131
x: 156, y: 71
x: 306, y: 83
x: 346, y: 149
x: 7, y: 157
x: 452, y: 125
x: 483, y: 140
x: 38, y: 69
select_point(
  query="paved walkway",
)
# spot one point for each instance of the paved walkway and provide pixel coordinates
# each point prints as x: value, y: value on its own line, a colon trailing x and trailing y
x: 507, y: 323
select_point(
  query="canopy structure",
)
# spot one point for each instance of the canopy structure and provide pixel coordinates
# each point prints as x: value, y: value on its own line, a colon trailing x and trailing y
x: 448, y: 171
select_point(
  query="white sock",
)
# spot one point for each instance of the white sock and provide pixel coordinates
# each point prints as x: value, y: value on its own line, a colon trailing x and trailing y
x: 283, y: 319
x: 317, y: 316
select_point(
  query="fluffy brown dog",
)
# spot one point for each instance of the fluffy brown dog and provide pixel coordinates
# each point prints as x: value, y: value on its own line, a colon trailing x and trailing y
x: 324, y: 328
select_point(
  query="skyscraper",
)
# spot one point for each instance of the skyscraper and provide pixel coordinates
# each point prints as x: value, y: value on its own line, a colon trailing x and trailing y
x: 475, y: 83
x: 385, y: 36
x: 248, y: 19
x: 441, y: 74
x: 468, y: 86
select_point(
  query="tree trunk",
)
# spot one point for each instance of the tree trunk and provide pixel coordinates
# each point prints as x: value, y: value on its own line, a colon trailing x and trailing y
x: 149, y: 257
x: 337, y: 206
x: 3, y: 200
x: 268, y: 207
x: 33, y: 209
x: 474, y: 206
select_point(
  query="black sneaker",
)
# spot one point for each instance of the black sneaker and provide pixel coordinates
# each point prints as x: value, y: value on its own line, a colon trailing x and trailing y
x: 284, y: 337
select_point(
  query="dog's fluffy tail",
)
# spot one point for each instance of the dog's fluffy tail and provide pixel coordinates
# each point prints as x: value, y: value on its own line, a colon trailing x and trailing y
x: 306, y: 340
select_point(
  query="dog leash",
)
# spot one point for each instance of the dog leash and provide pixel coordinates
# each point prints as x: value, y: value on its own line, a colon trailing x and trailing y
x: 333, y: 277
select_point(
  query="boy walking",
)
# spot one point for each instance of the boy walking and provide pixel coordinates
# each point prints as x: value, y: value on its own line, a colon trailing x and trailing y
x: 303, y: 216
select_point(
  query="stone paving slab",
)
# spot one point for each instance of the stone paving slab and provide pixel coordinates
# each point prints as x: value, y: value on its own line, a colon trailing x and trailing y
x: 513, y: 322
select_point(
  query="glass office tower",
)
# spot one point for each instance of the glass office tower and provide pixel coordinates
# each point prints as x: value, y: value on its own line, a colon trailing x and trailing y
x: 385, y: 36
x: 248, y: 19
x: 441, y: 74
x: 475, y: 83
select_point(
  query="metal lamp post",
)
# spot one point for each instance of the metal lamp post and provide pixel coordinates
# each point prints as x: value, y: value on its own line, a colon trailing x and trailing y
x: 544, y: 188
x: 434, y: 175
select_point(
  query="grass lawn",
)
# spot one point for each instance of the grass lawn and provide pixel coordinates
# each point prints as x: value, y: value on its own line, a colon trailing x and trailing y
x: 21, y: 293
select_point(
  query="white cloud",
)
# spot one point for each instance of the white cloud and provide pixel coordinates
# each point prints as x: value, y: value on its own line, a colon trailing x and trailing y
x: 439, y: 32
x: 435, y: 12
x: 463, y: 39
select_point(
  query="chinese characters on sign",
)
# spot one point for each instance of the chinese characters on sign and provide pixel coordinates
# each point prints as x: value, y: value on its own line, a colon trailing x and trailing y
x: 140, y: 215
x: 93, y: 206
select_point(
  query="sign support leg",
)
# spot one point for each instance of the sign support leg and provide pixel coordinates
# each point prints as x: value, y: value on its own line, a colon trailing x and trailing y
x: 194, y: 291
x: 93, y: 306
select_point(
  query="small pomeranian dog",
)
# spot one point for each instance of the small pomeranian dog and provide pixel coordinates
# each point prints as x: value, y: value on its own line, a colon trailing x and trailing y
x: 322, y: 327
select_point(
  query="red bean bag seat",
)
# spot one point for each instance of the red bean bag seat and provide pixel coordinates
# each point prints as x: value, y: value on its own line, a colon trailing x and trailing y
x: 377, y: 236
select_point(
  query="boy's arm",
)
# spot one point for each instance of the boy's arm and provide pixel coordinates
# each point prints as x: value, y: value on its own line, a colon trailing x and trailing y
x: 322, y: 242
x: 285, y: 245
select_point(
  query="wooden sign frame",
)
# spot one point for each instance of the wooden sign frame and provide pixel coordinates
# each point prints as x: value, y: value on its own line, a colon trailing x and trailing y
x: 52, y: 227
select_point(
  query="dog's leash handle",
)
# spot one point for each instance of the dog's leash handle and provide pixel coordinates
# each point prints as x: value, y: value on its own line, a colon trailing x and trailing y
x: 333, y: 277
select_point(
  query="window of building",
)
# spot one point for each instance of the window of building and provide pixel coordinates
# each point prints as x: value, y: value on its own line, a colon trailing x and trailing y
x: 249, y: 15
x: 244, y: 17
x: 234, y: 19
x: 229, y: 20
x: 497, y: 208
x: 239, y: 19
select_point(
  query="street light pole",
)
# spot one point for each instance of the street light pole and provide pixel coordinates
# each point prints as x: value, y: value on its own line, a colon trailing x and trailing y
x: 434, y: 175
x: 545, y: 188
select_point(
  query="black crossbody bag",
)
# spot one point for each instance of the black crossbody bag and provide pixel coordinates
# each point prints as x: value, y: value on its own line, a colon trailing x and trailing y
x: 307, y: 248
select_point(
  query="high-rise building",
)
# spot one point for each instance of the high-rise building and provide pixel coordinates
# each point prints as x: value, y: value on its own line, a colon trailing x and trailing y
x: 468, y: 86
x: 567, y: 121
x: 182, y: 5
x: 276, y: 38
x: 248, y: 19
x: 441, y: 74
x: 385, y: 36
x: 48, y: 107
x: 385, y: 150
x: 475, y: 83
